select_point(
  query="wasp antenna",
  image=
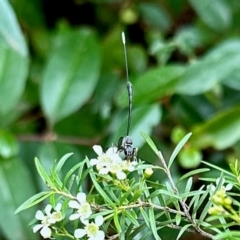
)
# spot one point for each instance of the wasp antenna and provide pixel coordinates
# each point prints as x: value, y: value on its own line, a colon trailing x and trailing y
x: 125, y: 54
x: 123, y: 38
x: 129, y: 85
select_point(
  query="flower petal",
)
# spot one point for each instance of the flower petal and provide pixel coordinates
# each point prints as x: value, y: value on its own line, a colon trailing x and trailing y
x: 73, y: 204
x: 116, y: 158
x: 84, y: 221
x: 94, y: 161
x: 58, y: 207
x: 48, y: 209
x: 104, y: 170
x: 46, y: 232
x: 78, y: 233
x: 111, y: 150
x: 218, y: 180
x: 99, y: 220
x: 121, y: 175
x: 39, y: 215
x: 74, y: 216
x: 228, y: 187
x: 100, y: 235
x: 131, y: 168
x: 37, y: 227
x: 81, y: 197
x: 98, y: 149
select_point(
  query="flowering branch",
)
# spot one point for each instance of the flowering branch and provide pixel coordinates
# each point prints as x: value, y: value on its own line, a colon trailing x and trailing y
x: 122, y: 202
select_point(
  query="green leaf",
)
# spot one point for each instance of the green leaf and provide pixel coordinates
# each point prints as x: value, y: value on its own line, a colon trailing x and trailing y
x: 199, y: 203
x: 71, y: 172
x: 189, y: 184
x: 183, y: 230
x: 216, y: 14
x: 131, y: 218
x: 154, y: 84
x: 152, y: 222
x: 116, y: 222
x: 143, y: 119
x: 10, y: 32
x: 234, y: 235
x: 164, y: 192
x: 221, y: 170
x: 221, y: 131
x: 233, y: 80
x: 178, y: 148
x: 43, y: 174
x: 189, y: 194
x: 150, y: 142
x: 8, y: 145
x: 193, y: 203
x: 32, y: 201
x: 62, y: 161
x: 204, y: 212
x: 178, y: 218
x: 194, y: 172
x: 136, y: 231
x: 71, y: 73
x: 154, y: 15
x: 214, y: 67
x: 13, y: 59
x: 100, y: 190
x: 16, y: 186
x: 145, y: 216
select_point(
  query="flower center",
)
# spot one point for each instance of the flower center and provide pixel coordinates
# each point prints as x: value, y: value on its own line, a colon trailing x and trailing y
x: 91, y: 229
x: 57, y: 216
x: 85, y: 209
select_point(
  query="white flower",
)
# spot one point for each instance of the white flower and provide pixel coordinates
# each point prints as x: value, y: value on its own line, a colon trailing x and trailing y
x: 83, y: 207
x: 112, y: 162
x: 117, y: 169
x: 104, y: 159
x: 128, y: 165
x: 91, y: 230
x: 225, y: 188
x: 47, y: 220
x: 57, y: 215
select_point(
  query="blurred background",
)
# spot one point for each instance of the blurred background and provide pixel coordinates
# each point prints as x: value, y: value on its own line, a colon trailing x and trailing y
x: 63, y: 88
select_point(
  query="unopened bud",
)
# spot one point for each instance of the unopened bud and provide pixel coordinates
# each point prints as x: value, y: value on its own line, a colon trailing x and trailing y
x: 148, y: 172
x: 217, y: 200
x: 227, y: 201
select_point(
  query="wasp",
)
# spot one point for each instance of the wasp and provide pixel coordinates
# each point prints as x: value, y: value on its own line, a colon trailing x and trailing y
x: 125, y: 144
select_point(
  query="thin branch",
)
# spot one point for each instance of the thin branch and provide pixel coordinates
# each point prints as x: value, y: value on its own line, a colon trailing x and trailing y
x: 50, y: 137
x: 183, y: 204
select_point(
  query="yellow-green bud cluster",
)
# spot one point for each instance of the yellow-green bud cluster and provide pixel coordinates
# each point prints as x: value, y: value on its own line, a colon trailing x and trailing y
x: 221, y: 202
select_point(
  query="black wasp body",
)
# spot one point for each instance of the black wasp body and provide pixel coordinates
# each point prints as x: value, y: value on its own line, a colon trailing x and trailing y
x: 125, y: 144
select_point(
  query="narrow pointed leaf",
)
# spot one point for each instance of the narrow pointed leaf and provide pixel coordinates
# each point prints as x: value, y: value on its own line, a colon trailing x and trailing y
x: 178, y: 148
x: 150, y: 142
x: 37, y: 198
x: 153, y: 224
x: 43, y: 174
x: 62, y: 161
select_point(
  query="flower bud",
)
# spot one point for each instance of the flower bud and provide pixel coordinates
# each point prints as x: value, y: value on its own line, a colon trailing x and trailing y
x: 148, y: 172
x: 227, y: 202
x: 217, y: 199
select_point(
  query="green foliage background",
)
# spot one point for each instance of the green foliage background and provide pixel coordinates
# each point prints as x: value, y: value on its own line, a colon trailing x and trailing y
x: 62, y: 86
